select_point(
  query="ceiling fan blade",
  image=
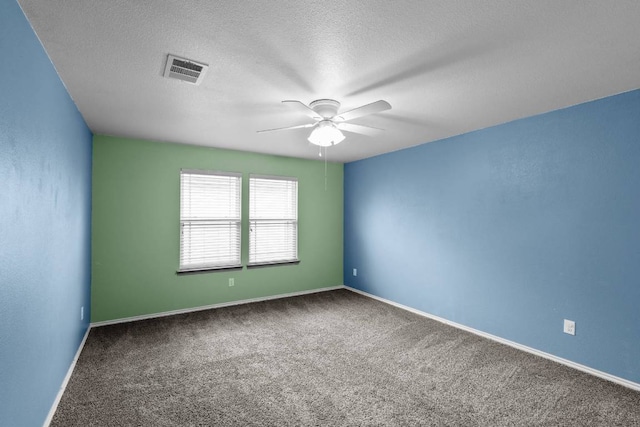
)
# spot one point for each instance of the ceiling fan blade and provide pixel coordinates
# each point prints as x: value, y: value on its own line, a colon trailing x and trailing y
x: 364, y: 130
x: 289, y: 127
x: 374, y: 107
x: 300, y: 107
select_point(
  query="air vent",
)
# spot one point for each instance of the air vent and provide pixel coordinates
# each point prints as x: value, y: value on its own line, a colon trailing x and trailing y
x: 185, y: 70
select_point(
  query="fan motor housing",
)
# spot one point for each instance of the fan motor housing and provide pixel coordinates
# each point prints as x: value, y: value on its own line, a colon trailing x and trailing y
x: 326, y: 108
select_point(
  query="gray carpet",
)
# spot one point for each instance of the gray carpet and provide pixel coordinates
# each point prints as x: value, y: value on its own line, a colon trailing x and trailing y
x: 333, y: 358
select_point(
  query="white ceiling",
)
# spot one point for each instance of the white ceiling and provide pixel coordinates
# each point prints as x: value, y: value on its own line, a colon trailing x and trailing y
x: 447, y: 67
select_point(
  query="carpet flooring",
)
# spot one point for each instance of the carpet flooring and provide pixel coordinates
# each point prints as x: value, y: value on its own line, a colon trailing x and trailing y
x: 328, y: 359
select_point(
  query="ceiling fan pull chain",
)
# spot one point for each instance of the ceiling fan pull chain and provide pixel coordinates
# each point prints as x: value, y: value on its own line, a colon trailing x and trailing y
x: 325, y: 167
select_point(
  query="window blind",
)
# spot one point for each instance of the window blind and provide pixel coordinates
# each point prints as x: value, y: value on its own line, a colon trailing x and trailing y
x: 209, y: 220
x: 273, y: 219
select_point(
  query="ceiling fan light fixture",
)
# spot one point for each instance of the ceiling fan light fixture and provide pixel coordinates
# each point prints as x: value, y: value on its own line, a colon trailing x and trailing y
x: 326, y: 134
x: 327, y: 124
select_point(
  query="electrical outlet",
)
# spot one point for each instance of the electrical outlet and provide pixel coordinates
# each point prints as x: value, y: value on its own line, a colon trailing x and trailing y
x: 232, y: 282
x: 355, y: 271
x: 82, y: 313
x: 569, y: 327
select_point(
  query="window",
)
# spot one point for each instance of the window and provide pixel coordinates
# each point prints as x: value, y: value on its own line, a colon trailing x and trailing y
x: 209, y: 220
x: 273, y: 220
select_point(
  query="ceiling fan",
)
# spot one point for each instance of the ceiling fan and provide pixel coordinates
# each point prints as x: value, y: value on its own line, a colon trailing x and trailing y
x: 329, y: 124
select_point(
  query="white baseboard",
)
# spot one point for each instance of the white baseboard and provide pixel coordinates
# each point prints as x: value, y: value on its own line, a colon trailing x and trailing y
x: 574, y: 365
x: 67, y: 377
x: 209, y: 307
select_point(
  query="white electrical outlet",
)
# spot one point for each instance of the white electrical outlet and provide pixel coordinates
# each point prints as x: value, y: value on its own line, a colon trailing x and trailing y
x: 569, y: 327
x: 232, y: 282
x: 82, y: 313
x: 355, y: 271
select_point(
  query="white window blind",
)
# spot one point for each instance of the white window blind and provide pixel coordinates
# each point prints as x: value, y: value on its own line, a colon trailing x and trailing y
x: 273, y: 219
x: 209, y: 220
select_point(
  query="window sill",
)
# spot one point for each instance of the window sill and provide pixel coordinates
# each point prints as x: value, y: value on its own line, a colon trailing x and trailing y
x: 208, y: 270
x: 273, y: 264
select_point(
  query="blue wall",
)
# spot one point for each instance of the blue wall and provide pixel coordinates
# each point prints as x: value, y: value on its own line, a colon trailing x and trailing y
x: 45, y: 176
x: 511, y: 229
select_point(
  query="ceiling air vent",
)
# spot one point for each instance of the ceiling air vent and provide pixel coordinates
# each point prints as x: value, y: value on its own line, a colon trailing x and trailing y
x: 185, y: 70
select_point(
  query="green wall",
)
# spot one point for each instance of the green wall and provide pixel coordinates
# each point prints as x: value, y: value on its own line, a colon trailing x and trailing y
x: 135, y: 235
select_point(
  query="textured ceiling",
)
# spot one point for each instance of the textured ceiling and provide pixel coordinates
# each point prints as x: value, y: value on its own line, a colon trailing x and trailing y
x: 447, y: 67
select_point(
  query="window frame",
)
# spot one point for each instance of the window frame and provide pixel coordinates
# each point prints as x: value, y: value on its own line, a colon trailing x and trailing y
x: 197, y: 268
x: 295, y: 221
